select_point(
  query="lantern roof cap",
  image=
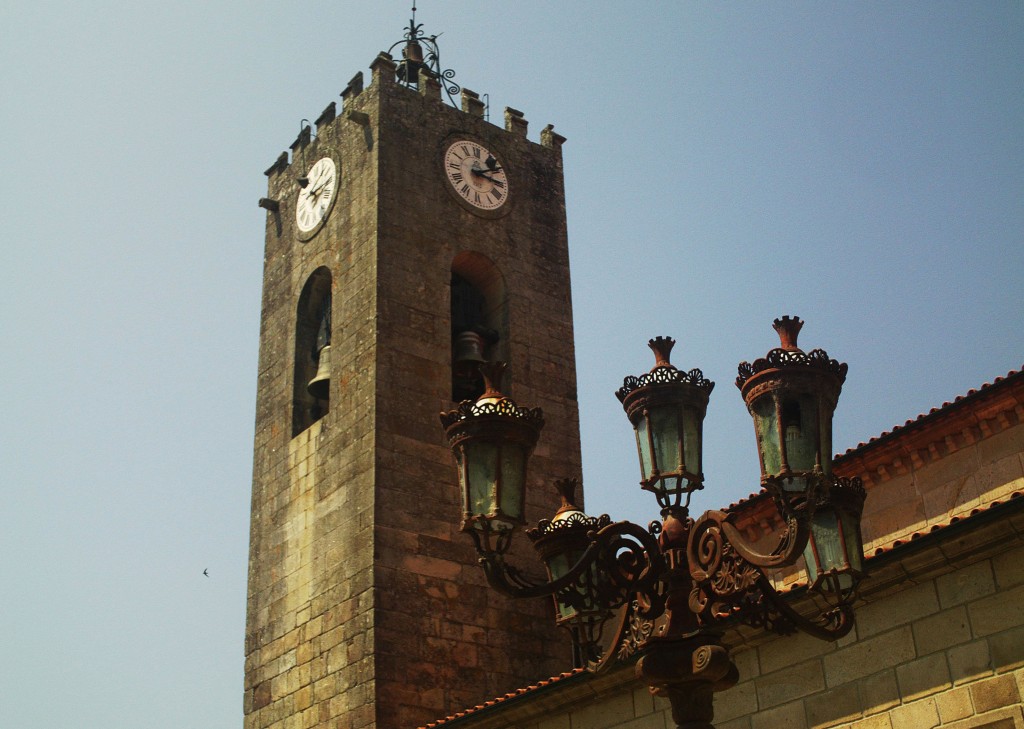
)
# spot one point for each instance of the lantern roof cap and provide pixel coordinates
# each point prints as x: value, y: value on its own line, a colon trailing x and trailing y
x: 664, y: 372
x: 492, y: 403
x: 788, y: 356
x: 569, y: 517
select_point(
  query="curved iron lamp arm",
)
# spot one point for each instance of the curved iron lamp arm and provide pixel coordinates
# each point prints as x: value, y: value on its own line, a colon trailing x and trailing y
x: 730, y: 581
x: 628, y: 555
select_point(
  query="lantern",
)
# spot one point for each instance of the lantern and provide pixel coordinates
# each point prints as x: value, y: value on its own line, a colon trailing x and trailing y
x: 835, y: 549
x: 561, y: 543
x: 791, y: 396
x: 492, y: 439
x: 666, y: 407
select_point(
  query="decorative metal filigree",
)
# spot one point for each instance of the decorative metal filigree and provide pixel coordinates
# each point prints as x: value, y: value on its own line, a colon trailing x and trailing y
x: 840, y: 489
x: 816, y: 359
x: 415, y: 60
x: 664, y: 375
x: 638, y: 631
x: 500, y: 407
x: 575, y: 520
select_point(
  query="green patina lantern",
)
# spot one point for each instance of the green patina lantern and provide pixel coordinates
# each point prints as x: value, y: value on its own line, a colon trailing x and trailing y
x: 792, y: 396
x: 492, y: 439
x: 835, y: 549
x: 666, y: 407
x: 561, y: 542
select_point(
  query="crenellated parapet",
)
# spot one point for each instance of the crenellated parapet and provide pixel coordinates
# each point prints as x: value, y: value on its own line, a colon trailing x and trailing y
x: 385, y: 74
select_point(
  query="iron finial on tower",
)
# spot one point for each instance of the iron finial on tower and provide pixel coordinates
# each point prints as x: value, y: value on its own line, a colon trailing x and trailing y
x: 422, y: 57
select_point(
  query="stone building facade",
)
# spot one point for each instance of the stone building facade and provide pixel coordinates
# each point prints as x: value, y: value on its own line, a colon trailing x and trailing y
x: 366, y: 607
x: 939, y: 637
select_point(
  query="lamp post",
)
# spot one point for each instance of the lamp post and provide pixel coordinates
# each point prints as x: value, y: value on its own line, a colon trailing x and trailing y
x: 679, y: 583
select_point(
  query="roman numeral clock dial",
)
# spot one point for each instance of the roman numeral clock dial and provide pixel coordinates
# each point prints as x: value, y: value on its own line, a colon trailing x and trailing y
x: 317, y: 197
x: 476, y: 175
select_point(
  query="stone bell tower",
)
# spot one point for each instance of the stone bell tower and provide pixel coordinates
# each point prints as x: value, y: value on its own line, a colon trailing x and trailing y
x: 406, y: 240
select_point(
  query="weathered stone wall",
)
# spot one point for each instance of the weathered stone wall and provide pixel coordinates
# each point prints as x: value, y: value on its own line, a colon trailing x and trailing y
x: 446, y: 639
x: 366, y: 607
x: 942, y: 473
x: 309, y: 636
x: 945, y: 652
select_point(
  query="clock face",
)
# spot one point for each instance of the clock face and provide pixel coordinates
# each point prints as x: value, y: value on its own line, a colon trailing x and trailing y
x: 476, y: 175
x: 317, y: 197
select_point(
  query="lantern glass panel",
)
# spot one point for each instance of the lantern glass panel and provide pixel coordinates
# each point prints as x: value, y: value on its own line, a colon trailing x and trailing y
x: 513, y: 481
x: 643, y: 445
x: 799, y: 423
x: 558, y: 565
x: 482, y: 473
x: 853, y: 540
x: 460, y: 463
x: 825, y: 434
x: 692, y: 441
x: 826, y: 542
x: 767, y: 428
x: 665, y: 427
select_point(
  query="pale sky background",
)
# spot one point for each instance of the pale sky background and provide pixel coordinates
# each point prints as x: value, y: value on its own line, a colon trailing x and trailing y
x: 860, y: 164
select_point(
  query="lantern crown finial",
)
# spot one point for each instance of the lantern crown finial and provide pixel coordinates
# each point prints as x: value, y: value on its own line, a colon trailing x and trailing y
x: 790, y: 358
x: 492, y: 373
x: 788, y: 329
x: 566, y: 488
x: 662, y: 348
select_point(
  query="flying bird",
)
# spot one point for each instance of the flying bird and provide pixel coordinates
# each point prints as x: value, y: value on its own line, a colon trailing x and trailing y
x: 206, y: 573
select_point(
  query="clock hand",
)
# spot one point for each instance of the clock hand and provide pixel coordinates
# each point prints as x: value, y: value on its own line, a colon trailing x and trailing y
x: 481, y: 173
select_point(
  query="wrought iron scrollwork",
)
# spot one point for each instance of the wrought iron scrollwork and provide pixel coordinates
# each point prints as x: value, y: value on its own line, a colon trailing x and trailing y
x: 675, y: 587
x: 639, y: 631
x: 501, y: 407
x: 422, y: 54
x: 664, y: 375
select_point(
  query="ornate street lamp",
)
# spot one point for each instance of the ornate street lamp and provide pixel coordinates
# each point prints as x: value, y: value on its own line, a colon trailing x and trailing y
x: 679, y: 583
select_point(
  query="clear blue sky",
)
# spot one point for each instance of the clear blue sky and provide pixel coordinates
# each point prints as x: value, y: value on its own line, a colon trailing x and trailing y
x: 859, y: 164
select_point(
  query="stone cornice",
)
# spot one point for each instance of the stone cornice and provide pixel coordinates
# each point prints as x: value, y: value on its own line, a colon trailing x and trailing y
x: 942, y: 431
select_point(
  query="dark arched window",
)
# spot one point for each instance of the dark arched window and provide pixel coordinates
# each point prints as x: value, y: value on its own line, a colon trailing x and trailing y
x: 479, y: 318
x: 311, y: 396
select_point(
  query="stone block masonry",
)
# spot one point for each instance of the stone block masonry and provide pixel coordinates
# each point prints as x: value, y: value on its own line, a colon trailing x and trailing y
x: 366, y: 606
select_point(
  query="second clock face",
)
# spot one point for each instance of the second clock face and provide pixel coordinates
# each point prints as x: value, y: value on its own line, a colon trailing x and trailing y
x: 317, y: 197
x: 476, y: 175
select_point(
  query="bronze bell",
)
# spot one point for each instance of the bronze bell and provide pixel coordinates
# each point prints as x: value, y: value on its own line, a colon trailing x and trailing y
x: 413, y: 51
x: 319, y: 386
x: 469, y: 353
x: 412, y: 61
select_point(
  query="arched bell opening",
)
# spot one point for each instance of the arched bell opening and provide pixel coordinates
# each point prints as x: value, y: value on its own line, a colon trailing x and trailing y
x: 311, y: 395
x: 479, y: 322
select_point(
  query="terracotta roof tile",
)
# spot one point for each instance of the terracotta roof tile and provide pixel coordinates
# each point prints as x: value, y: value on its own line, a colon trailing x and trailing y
x: 885, y: 548
x: 924, y: 416
x: 501, y: 699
